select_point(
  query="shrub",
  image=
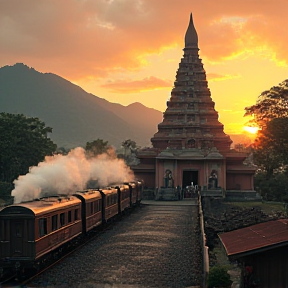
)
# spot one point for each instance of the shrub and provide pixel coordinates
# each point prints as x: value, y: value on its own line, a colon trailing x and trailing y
x: 218, y: 277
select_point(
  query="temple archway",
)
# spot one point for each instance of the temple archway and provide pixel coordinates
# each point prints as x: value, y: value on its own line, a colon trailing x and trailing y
x: 188, y: 177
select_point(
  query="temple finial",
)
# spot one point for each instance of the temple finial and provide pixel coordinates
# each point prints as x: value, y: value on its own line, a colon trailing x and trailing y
x: 191, y: 37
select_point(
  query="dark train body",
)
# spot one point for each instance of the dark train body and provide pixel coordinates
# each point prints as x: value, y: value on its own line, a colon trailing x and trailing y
x: 30, y: 232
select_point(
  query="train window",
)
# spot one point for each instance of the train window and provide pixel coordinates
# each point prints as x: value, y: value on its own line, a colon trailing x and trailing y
x: 54, y: 222
x: 76, y: 214
x: 62, y: 219
x: 69, y: 216
x: 42, y: 223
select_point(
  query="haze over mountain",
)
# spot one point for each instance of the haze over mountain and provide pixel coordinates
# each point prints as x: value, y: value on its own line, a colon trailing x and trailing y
x: 75, y: 115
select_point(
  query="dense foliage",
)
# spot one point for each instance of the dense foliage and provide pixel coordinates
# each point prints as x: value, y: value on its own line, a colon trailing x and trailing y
x: 24, y: 143
x: 270, y: 104
x: 271, y: 144
x: 97, y: 147
x: 128, y: 143
x: 274, y: 188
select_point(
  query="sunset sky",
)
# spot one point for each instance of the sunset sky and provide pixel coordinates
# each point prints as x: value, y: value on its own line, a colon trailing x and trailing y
x: 129, y: 50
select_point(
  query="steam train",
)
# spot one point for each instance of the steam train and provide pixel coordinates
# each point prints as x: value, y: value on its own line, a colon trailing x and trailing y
x: 33, y: 231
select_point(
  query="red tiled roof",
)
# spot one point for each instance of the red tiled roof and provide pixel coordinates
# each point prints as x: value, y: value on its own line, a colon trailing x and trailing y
x: 255, y: 237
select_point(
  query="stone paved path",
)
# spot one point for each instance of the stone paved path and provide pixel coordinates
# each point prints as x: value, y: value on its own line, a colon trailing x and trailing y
x: 155, y: 246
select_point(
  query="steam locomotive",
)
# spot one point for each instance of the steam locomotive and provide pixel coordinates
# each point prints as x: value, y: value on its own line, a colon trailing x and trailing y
x: 30, y: 232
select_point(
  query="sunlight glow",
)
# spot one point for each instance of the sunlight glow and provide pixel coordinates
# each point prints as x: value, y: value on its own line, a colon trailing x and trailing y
x: 251, y: 129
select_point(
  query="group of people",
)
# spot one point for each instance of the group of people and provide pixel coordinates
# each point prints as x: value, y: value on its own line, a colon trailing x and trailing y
x: 192, y: 190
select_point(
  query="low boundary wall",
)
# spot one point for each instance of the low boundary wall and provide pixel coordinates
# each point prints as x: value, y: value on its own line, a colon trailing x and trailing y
x: 203, y: 243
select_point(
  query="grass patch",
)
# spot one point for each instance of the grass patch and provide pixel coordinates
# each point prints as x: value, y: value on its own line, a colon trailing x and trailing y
x: 266, y: 207
x: 221, y: 256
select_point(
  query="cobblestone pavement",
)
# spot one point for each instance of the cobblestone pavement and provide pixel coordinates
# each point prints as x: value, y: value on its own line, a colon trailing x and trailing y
x: 154, y: 246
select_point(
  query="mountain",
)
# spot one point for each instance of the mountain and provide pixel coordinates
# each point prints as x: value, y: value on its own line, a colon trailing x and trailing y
x: 75, y: 115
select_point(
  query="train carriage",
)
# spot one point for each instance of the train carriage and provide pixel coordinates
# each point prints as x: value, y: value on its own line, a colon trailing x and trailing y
x: 124, y: 197
x: 110, y: 203
x: 33, y: 231
x: 91, y: 209
x: 30, y: 230
x: 133, y: 193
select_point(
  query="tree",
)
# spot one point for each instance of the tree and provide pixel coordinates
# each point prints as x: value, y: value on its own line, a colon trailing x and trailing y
x: 270, y: 104
x: 277, y: 133
x: 274, y: 188
x: 269, y: 149
x: 24, y: 143
x: 97, y: 147
x: 129, y: 144
x: 271, y: 145
x: 129, y: 147
x: 270, y: 114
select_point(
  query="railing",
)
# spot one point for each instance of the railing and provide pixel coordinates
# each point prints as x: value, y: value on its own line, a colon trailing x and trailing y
x: 203, y: 243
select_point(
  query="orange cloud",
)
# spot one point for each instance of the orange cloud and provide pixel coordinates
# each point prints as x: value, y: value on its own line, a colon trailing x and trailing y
x: 246, y: 34
x: 218, y: 77
x: 135, y: 86
x: 100, y: 38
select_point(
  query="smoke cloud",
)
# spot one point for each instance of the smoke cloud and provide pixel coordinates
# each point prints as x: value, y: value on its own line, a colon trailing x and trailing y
x: 66, y: 174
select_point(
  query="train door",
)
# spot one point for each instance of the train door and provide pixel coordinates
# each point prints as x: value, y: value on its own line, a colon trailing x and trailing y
x: 16, y: 238
x: 188, y: 177
x: 22, y: 238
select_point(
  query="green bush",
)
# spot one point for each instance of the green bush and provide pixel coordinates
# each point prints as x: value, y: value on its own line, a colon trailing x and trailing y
x: 218, y: 277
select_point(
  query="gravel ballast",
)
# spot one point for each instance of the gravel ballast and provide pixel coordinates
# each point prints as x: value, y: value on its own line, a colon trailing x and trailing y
x: 154, y: 246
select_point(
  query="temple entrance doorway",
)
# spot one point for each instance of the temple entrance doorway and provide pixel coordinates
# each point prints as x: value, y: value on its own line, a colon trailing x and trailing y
x: 188, y: 177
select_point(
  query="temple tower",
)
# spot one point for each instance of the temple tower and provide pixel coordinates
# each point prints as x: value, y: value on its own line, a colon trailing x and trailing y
x: 190, y: 120
x: 190, y: 147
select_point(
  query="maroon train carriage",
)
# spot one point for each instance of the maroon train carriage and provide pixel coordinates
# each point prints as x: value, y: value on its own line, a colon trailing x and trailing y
x: 110, y: 203
x: 31, y: 230
x: 92, y: 215
x: 133, y: 188
x: 124, y: 197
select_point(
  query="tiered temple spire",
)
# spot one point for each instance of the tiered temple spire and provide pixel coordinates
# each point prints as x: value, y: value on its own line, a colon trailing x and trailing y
x: 190, y: 120
x: 191, y: 37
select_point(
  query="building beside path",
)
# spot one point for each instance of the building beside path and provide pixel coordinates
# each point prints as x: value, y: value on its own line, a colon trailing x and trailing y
x: 190, y: 146
x: 262, y: 251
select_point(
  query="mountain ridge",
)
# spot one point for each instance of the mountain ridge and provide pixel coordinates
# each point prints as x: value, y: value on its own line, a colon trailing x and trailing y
x: 75, y: 115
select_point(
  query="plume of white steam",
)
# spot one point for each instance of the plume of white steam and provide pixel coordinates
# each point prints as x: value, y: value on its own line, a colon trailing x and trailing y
x: 60, y: 174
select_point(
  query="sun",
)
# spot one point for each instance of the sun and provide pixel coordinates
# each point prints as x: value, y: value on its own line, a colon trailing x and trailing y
x: 251, y: 129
